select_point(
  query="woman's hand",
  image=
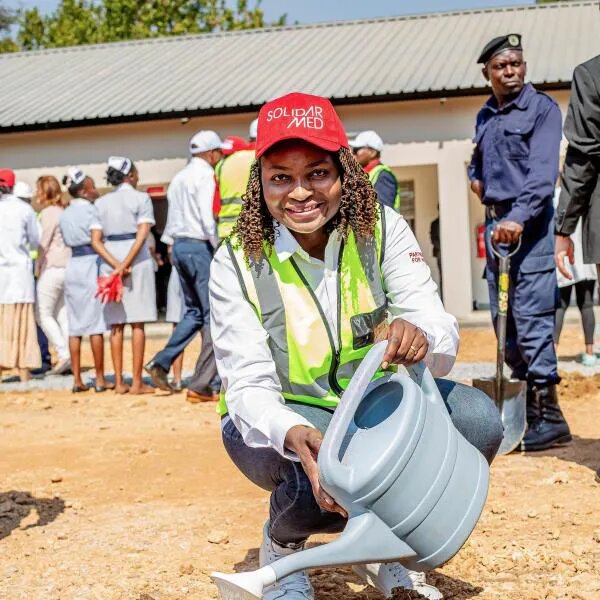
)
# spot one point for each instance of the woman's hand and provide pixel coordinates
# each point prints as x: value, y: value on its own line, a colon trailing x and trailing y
x: 407, y: 344
x: 121, y: 270
x: 305, y: 442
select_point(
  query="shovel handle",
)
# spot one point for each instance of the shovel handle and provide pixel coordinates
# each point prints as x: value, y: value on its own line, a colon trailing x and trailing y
x: 503, y: 288
x: 499, y: 254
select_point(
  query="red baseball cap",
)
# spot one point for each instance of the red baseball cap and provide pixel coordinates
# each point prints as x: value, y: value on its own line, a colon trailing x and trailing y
x: 7, y: 177
x: 233, y: 144
x: 302, y: 116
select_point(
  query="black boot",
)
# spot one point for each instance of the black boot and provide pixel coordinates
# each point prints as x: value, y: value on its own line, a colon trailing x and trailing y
x: 550, y: 429
x: 532, y: 406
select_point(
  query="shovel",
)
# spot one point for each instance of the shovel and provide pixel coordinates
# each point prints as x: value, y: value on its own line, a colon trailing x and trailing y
x: 508, y: 394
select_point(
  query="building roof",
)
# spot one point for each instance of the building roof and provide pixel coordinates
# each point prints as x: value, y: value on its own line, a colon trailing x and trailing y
x: 420, y: 56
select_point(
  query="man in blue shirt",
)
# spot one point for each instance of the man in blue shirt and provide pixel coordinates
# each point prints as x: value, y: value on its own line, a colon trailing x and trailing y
x: 513, y: 170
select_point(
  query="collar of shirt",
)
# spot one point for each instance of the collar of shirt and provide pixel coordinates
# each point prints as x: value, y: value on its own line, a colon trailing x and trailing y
x: 368, y: 168
x: 198, y: 162
x: 521, y: 101
x: 79, y: 201
x: 286, y: 244
x: 125, y: 186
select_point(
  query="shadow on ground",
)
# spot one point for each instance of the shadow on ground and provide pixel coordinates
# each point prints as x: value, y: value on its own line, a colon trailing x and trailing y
x: 17, y: 506
x: 583, y: 451
x: 341, y: 583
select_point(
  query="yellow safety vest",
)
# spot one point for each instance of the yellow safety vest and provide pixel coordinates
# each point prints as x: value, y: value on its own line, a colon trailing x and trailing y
x: 374, y: 176
x: 232, y: 174
x: 312, y: 367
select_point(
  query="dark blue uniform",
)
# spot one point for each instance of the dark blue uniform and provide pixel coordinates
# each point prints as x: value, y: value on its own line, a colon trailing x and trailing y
x: 516, y: 159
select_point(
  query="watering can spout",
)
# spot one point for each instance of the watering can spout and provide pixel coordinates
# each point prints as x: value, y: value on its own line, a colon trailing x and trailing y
x: 365, y: 539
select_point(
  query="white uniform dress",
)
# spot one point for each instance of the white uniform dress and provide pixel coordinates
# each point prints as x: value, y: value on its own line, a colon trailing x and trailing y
x: 120, y: 213
x: 85, y: 312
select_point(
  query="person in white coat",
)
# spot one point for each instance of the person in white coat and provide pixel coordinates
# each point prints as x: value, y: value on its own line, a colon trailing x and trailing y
x: 119, y: 237
x: 19, y: 232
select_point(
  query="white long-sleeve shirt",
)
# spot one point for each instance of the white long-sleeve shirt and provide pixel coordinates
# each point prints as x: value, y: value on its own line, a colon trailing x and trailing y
x: 190, y: 197
x: 244, y: 360
x: 19, y: 232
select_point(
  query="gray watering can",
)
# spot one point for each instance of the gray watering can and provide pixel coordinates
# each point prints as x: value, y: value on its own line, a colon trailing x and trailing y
x: 413, y: 487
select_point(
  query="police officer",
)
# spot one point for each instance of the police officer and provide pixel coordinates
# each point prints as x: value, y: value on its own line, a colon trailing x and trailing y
x: 367, y: 147
x: 513, y: 171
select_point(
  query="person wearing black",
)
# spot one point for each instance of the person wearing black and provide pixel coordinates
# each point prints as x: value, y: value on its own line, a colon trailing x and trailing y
x: 580, y: 181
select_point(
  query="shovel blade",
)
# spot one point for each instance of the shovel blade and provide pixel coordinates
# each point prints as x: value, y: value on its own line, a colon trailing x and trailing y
x: 512, y: 410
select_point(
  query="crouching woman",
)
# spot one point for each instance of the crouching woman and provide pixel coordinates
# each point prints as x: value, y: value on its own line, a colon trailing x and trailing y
x: 313, y: 249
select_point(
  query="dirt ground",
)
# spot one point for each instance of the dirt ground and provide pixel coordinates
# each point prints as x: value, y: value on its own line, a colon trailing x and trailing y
x: 133, y: 498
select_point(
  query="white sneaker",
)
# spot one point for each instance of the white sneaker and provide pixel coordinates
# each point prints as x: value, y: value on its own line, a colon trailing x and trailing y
x: 293, y: 587
x: 387, y: 576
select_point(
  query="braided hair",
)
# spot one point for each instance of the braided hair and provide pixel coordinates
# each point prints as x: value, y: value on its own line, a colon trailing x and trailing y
x: 358, y: 210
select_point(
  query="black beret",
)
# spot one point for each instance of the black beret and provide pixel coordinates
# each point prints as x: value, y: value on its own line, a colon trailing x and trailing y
x: 512, y: 41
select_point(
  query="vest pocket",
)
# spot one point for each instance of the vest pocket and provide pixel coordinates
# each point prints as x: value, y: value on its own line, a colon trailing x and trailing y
x: 363, y: 327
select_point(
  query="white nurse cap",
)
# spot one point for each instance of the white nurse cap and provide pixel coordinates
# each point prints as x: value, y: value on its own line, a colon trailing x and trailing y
x: 75, y: 176
x: 120, y: 163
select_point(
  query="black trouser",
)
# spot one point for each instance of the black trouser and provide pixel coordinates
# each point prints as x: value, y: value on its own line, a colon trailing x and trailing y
x: 584, y: 295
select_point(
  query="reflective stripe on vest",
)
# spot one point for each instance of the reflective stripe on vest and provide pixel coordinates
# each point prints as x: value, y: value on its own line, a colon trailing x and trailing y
x: 232, y: 173
x: 374, y: 174
x: 312, y: 366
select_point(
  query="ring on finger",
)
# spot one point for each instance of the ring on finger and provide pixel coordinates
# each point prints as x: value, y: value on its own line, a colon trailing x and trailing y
x: 413, y: 349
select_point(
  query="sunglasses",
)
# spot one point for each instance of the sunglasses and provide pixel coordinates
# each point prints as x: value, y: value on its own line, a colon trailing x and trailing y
x: 357, y: 150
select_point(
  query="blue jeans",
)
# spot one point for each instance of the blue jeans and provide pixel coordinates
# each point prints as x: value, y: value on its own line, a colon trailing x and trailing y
x: 192, y: 260
x: 294, y: 512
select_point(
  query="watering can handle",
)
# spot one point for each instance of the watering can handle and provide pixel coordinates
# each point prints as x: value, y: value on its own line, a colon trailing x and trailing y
x: 352, y: 397
x: 349, y: 402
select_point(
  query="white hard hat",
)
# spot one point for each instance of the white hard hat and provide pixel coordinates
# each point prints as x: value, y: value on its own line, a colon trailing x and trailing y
x: 368, y: 139
x: 205, y: 140
x: 253, y: 130
x: 22, y: 190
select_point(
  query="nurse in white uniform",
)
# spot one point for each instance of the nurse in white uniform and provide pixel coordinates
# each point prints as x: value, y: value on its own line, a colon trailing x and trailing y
x: 85, y: 313
x: 119, y: 237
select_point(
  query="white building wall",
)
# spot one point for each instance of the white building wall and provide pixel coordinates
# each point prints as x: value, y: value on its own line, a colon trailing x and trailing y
x: 425, y: 140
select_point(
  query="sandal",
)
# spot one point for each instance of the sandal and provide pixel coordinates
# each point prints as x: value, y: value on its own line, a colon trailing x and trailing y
x: 80, y: 388
x: 103, y: 388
